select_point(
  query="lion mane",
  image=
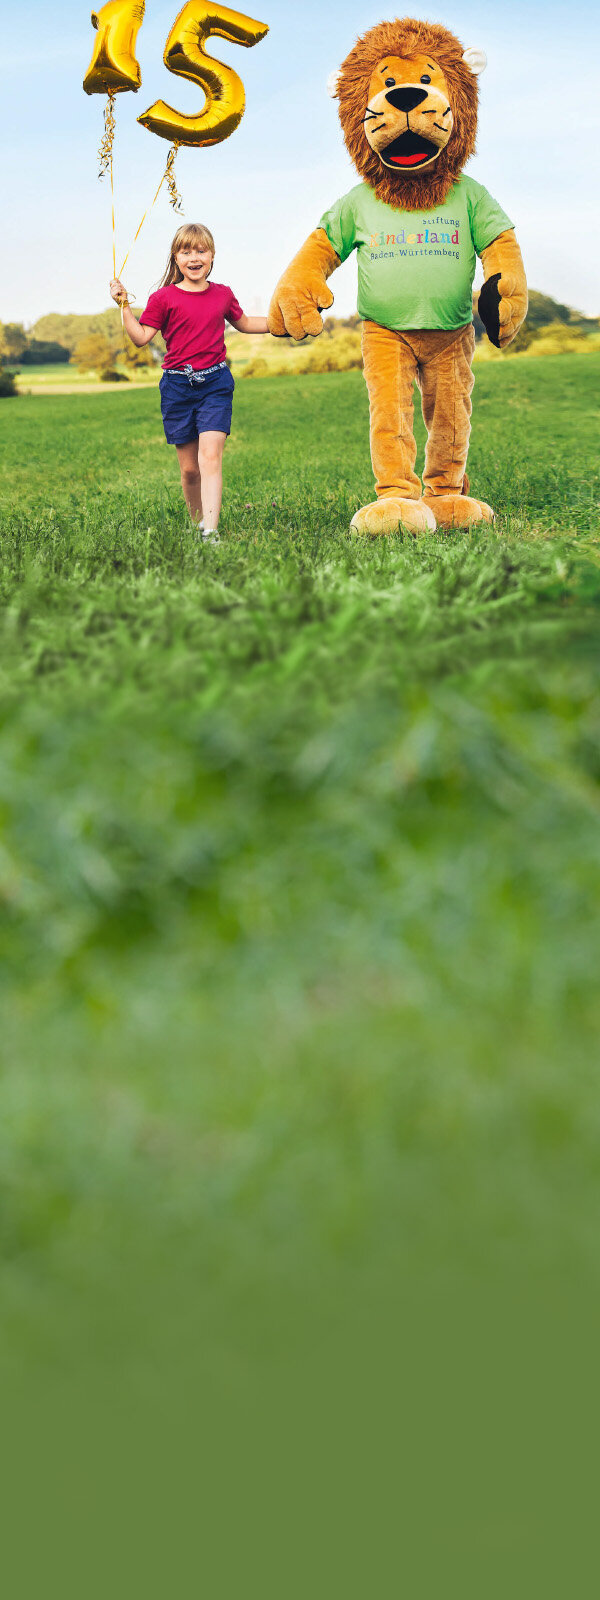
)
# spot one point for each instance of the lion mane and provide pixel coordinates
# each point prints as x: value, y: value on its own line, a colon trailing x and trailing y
x: 406, y: 37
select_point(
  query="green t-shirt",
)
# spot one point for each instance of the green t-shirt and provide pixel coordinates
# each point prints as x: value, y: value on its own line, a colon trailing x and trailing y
x: 415, y: 268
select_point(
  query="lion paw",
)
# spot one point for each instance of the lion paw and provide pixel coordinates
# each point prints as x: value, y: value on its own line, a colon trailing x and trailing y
x: 458, y: 510
x: 391, y: 514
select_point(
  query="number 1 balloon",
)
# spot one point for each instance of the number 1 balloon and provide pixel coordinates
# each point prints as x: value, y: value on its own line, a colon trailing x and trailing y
x: 114, y: 67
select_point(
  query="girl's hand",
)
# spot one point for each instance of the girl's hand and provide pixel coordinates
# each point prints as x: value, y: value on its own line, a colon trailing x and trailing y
x: 118, y: 291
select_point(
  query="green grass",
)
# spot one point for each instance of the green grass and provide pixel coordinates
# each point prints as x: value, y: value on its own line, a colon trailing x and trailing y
x: 48, y: 372
x: 64, y: 376
x: 300, y: 873
x: 300, y: 862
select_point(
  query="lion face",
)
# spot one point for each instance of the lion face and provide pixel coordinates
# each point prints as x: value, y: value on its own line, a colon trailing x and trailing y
x: 408, y: 107
x: 408, y: 120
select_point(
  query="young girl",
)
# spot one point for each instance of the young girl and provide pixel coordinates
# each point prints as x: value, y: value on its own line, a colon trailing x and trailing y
x: 196, y: 387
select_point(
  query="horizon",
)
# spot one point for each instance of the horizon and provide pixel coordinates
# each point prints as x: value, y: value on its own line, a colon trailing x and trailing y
x: 328, y: 316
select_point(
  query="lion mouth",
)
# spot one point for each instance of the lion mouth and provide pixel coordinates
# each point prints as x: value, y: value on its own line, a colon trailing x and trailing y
x: 408, y: 151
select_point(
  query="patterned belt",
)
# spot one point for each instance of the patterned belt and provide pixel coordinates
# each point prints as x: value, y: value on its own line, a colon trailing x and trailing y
x: 194, y: 375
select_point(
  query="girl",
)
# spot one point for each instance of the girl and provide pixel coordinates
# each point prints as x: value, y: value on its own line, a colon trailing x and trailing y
x: 196, y: 387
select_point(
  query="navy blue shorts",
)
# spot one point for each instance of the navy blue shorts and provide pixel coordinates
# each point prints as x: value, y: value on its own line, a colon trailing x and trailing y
x: 196, y: 405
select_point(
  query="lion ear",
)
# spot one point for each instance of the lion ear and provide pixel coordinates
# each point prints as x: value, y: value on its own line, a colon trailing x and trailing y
x: 475, y: 60
x: 333, y: 83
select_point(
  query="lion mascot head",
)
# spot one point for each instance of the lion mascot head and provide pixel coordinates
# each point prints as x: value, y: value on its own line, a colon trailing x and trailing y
x: 408, y: 109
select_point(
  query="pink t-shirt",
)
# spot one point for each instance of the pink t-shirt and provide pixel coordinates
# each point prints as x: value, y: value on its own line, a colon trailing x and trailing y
x: 192, y: 324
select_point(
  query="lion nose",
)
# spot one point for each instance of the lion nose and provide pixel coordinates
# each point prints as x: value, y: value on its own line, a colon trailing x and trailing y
x: 406, y: 99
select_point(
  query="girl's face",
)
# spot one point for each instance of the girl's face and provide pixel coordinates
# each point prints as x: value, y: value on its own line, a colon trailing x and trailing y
x: 194, y: 263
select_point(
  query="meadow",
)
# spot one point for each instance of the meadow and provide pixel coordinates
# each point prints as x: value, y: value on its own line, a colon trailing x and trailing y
x: 300, y: 870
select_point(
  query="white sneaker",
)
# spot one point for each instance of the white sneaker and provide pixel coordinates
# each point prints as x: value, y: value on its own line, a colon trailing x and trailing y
x: 210, y: 536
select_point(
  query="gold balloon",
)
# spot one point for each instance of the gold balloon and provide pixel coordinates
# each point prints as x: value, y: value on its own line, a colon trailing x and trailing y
x: 224, y: 91
x: 113, y: 66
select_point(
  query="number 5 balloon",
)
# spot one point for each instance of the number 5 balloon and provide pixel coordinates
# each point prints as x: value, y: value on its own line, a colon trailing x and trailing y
x: 224, y: 92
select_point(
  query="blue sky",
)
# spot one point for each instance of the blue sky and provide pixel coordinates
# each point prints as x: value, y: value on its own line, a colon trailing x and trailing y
x: 264, y: 189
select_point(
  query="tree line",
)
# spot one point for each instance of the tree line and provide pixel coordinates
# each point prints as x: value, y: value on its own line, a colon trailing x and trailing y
x: 94, y: 343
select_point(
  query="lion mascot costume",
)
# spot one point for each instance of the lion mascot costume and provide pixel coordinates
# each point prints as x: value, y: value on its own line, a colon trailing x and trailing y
x: 408, y: 108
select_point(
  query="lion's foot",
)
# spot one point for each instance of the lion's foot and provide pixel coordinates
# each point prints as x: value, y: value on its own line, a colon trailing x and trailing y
x: 458, y: 510
x: 392, y: 513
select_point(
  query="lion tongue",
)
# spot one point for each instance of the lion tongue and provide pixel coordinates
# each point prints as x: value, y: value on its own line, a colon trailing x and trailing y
x: 409, y: 161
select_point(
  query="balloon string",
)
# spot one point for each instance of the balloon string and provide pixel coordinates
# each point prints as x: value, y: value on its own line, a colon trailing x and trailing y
x: 105, y: 155
x: 169, y: 174
x: 106, y: 143
x: 112, y: 207
x: 174, y: 197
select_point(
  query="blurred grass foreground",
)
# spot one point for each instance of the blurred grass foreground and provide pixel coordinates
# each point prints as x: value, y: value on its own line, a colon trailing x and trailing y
x: 299, y: 1105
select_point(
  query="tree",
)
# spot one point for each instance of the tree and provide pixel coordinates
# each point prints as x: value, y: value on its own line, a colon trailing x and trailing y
x: 543, y: 310
x: 523, y: 339
x: 558, y: 337
x: 70, y: 329
x: 7, y: 381
x: 13, y: 340
x: 41, y: 351
x: 134, y: 357
x: 95, y: 353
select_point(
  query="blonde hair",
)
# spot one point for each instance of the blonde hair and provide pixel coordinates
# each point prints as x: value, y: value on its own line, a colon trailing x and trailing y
x: 191, y: 233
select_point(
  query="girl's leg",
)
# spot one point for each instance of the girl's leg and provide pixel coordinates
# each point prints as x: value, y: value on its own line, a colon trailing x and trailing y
x: 187, y: 456
x: 210, y: 455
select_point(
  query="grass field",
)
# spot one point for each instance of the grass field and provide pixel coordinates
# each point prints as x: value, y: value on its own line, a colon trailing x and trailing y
x: 300, y: 870
x: 59, y: 378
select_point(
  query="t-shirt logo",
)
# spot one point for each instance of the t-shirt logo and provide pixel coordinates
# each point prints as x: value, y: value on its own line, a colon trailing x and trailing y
x: 441, y: 240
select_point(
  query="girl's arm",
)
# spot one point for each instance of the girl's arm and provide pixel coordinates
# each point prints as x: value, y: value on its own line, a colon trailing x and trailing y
x: 139, y: 336
x: 251, y: 325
